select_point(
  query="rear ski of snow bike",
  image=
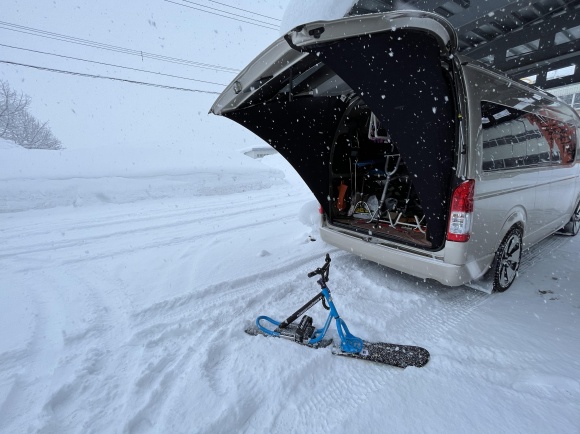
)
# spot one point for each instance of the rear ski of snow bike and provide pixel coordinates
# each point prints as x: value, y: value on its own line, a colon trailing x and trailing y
x: 350, y: 346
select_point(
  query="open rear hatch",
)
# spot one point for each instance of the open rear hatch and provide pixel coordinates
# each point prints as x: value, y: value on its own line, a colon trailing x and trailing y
x: 364, y: 109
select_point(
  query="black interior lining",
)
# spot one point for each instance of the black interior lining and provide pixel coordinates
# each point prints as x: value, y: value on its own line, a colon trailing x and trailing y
x: 399, y: 76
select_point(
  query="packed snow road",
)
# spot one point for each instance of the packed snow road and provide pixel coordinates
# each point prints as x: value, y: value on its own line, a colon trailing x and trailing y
x: 129, y: 317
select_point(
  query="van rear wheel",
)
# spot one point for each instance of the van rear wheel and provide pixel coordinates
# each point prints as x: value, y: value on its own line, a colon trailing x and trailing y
x: 507, y: 260
x: 573, y: 226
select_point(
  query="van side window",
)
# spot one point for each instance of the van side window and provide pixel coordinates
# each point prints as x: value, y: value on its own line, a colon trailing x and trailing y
x: 538, y: 148
x: 507, y: 136
x: 513, y: 138
x: 559, y: 138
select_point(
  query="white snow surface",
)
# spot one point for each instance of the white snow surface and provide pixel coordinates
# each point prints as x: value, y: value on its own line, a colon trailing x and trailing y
x: 7, y: 144
x: 125, y: 289
x: 131, y: 261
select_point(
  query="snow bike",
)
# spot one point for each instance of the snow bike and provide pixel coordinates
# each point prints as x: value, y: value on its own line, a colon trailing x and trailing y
x: 350, y: 346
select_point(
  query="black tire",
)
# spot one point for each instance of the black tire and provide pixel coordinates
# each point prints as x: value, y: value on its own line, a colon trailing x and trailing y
x: 573, y: 226
x: 507, y: 260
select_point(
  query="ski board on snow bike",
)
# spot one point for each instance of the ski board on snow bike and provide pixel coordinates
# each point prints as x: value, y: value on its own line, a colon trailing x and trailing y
x: 400, y: 356
x: 290, y: 329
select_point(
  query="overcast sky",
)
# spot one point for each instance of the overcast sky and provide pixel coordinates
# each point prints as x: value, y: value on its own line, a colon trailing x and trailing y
x: 90, y: 112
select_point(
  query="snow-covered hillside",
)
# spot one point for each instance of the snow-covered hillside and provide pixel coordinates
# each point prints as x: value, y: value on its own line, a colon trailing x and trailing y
x: 125, y: 295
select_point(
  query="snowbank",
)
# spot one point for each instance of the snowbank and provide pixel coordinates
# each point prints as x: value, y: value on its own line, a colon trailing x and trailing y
x: 35, y: 179
x: 8, y: 144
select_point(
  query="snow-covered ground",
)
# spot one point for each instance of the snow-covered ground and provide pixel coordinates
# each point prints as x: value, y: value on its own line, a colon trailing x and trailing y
x: 131, y: 260
x: 125, y: 288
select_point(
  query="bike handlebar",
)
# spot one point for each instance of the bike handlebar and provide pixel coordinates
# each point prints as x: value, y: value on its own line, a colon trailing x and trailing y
x: 323, y: 271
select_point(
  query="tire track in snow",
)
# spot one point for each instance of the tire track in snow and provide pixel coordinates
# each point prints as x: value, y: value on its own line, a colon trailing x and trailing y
x: 96, y: 355
x: 368, y: 378
x: 340, y: 391
x: 50, y: 247
x: 365, y: 378
x: 193, y: 316
x: 173, y: 326
x: 144, y: 419
x: 507, y: 375
x: 200, y: 300
x: 366, y: 381
x: 38, y: 358
x: 163, y: 320
x: 442, y: 309
x: 83, y: 241
x: 147, y: 215
x: 539, y: 251
x: 435, y: 311
x: 91, y: 363
x: 438, y: 314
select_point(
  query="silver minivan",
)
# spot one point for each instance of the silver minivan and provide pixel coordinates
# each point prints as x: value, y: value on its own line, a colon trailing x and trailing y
x: 422, y: 160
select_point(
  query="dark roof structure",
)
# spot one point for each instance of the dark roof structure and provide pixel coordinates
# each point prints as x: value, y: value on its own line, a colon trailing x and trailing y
x: 534, y: 40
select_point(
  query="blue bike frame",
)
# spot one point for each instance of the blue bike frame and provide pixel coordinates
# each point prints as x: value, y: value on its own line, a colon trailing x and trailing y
x: 348, y: 342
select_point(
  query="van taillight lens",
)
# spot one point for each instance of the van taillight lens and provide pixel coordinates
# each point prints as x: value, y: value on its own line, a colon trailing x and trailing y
x: 460, y: 217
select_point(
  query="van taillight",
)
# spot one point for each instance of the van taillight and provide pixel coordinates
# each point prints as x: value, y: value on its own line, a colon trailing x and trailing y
x: 320, y: 210
x: 460, y: 217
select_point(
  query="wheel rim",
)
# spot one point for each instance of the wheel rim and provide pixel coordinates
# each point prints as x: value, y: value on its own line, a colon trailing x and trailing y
x: 576, y: 220
x: 510, y: 261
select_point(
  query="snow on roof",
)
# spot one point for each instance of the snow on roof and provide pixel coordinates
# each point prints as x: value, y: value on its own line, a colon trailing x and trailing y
x: 305, y: 11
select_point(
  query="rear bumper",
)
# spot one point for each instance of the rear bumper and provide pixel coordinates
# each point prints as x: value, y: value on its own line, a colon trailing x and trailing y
x: 419, y: 265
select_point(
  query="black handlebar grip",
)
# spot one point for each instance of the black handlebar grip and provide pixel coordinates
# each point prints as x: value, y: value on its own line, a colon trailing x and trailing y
x: 312, y: 274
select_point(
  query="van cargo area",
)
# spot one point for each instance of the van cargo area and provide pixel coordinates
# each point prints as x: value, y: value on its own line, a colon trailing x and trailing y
x: 369, y: 123
x: 373, y: 193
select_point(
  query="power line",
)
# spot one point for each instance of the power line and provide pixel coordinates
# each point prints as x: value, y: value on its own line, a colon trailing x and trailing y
x: 86, y: 42
x: 229, y: 13
x: 94, y: 44
x: 244, y: 10
x: 110, y: 64
x: 270, y: 27
x: 80, y: 74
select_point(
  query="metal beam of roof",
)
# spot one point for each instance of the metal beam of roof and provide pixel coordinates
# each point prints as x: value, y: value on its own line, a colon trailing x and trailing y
x: 543, y: 80
x: 518, y: 37
x: 475, y: 13
x: 565, y: 90
x: 544, y: 30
